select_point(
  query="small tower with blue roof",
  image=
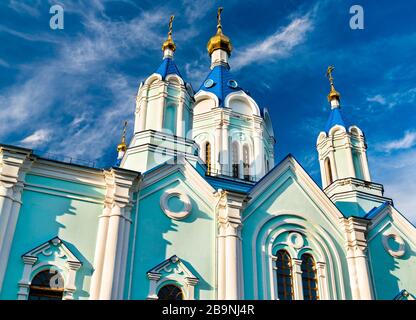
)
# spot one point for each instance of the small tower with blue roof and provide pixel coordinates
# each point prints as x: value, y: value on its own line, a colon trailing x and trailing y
x: 342, y: 151
x: 234, y: 135
x: 163, y: 116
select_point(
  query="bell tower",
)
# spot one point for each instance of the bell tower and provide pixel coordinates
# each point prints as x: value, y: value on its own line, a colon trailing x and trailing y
x: 235, y: 135
x: 163, y: 116
x: 343, y: 162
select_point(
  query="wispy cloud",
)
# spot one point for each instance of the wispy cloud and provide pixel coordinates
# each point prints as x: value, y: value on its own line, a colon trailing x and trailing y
x: 60, y: 89
x: 377, y: 98
x: 397, y: 173
x: 406, y: 142
x: 36, y: 139
x: 394, y: 99
x: 24, y: 8
x: 196, y: 9
x: 277, y: 45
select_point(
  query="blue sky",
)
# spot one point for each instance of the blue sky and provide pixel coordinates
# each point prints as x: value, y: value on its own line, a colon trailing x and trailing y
x: 67, y: 91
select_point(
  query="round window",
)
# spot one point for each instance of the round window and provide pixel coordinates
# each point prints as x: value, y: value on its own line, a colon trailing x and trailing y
x: 208, y: 83
x: 232, y: 84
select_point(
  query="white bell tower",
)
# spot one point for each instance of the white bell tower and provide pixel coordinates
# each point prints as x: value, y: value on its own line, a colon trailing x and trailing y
x: 235, y: 136
x: 163, y: 117
x: 343, y: 162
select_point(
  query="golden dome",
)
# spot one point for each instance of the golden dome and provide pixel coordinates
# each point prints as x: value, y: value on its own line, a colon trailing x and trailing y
x: 169, y: 44
x: 333, y: 94
x: 122, y: 146
x: 220, y: 40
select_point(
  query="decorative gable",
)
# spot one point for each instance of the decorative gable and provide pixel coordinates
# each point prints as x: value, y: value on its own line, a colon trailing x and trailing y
x: 172, y: 266
x: 54, y: 249
x: 50, y: 254
x: 172, y: 270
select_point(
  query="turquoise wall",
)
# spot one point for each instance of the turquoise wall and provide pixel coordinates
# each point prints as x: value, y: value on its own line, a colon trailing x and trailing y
x: 159, y: 237
x: 391, y: 274
x: 44, y: 216
x: 286, y: 205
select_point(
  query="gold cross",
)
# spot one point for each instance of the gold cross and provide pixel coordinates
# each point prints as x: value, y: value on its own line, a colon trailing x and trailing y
x: 219, y: 17
x: 124, y: 132
x: 170, y: 24
x: 329, y: 74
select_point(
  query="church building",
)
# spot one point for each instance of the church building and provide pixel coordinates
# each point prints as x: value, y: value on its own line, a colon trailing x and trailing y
x: 196, y: 207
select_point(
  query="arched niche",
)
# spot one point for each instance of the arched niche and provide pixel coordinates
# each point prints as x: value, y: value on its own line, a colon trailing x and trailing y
x: 204, y: 102
x: 242, y: 103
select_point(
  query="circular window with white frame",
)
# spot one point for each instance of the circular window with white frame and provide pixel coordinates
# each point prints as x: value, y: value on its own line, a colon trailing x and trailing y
x: 175, y: 204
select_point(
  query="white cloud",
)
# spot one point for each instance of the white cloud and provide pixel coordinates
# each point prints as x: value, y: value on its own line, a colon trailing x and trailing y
x: 59, y: 89
x: 377, y: 98
x: 407, y: 142
x: 397, y: 173
x: 23, y: 8
x: 394, y: 99
x: 36, y: 139
x: 275, y: 46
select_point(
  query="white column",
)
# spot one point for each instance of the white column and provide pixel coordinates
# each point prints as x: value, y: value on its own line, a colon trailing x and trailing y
x: 366, y: 170
x: 14, y: 164
x: 258, y: 155
x: 6, y: 202
x: 297, y: 279
x: 141, y: 116
x: 225, y: 155
x: 179, y: 119
x: 352, y: 273
x: 240, y: 160
x: 323, y: 173
x: 217, y: 150
x: 9, y: 232
x: 322, y: 283
x: 230, y: 206
x: 231, y: 239
x: 221, y: 262
x: 23, y: 284
x: 107, y: 284
x: 356, y: 246
x: 123, y: 262
x: 116, y: 219
x: 363, y: 275
x: 100, y: 252
x: 333, y: 164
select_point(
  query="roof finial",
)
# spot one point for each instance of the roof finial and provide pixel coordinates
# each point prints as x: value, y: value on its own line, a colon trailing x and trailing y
x: 122, y: 145
x: 169, y: 44
x: 219, y: 40
x: 333, y: 94
x: 219, y: 26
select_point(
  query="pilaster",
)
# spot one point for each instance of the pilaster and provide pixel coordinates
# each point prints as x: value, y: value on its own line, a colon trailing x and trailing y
x: 356, y: 248
x: 14, y: 164
x: 113, y: 234
x: 229, y: 257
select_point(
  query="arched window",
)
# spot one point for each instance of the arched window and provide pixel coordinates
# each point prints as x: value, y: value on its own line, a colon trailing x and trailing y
x: 208, y: 157
x: 284, y: 275
x: 170, y: 292
x: 47, y: 285
x: 235, y: 161
x: 246, y: 162
x: 169, y: 124
x: 328, y: 171
x: 309, y: 278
